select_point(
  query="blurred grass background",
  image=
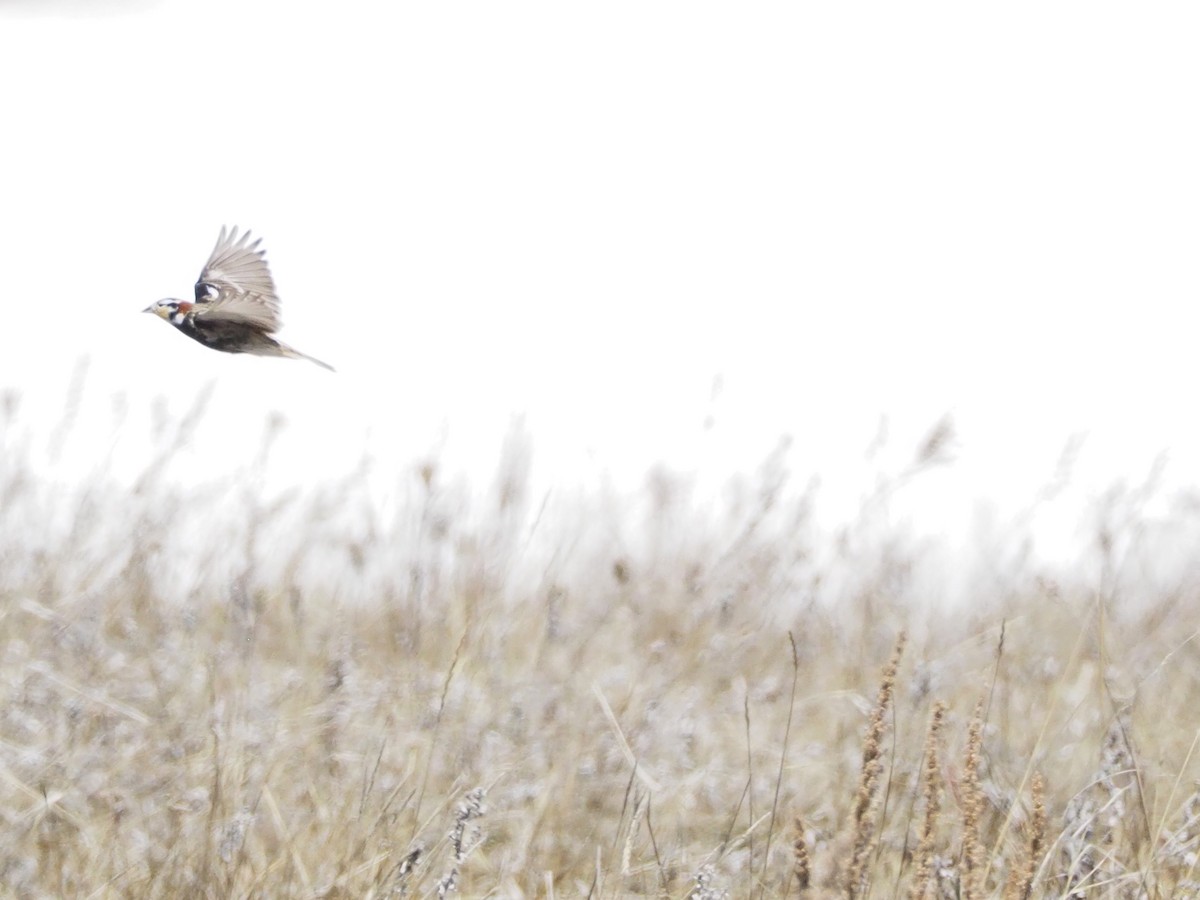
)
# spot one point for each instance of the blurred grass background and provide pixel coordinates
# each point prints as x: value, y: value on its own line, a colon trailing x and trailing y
x: 212, y: 688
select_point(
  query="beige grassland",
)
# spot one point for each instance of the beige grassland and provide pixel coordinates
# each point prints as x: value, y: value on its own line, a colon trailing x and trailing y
x: 645, y: 698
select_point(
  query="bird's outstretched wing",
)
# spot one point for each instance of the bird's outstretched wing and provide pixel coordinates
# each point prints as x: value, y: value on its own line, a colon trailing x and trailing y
x: 236, y: 284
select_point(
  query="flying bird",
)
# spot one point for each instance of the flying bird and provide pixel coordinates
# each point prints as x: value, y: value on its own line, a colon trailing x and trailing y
x: 236, y: 309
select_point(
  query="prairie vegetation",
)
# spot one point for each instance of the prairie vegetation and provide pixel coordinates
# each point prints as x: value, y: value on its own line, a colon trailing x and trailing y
x: 211, y: 692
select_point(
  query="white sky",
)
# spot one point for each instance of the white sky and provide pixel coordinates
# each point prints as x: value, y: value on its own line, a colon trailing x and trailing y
x: 591, y: 214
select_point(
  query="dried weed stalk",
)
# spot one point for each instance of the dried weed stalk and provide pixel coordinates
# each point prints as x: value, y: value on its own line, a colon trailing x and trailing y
x: 462, y: 839
x: 801, y: 868
x: 972, y: 801
x: 868, y: 781
x: 931, y: 791
x: 1020, y: 883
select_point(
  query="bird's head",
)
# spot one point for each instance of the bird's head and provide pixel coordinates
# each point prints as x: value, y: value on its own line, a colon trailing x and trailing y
x: 174, y: 311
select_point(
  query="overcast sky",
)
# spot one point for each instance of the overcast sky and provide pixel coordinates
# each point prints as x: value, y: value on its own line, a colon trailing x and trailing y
x: 659, y: 231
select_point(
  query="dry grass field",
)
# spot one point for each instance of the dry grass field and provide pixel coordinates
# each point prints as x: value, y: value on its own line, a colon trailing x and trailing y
x: 211, y: 693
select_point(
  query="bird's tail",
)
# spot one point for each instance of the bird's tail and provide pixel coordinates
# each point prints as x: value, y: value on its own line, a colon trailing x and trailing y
x: 293, y: 353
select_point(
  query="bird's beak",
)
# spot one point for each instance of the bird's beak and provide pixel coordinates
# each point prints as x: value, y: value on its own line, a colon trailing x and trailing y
x: 148, y: 309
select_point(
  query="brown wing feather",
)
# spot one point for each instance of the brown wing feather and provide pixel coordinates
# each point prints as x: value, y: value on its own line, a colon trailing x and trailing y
x: 236, y: 284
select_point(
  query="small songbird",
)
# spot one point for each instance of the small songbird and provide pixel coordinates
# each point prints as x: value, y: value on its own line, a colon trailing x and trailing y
x: 236, y: 309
